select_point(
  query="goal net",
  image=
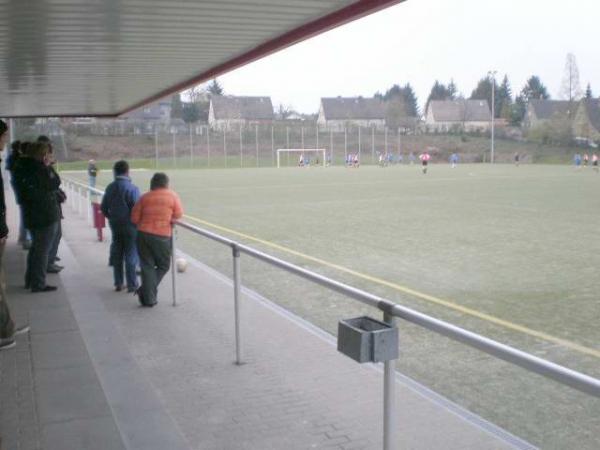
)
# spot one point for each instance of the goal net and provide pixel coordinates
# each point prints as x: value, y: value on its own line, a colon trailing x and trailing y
x: 303, y: 156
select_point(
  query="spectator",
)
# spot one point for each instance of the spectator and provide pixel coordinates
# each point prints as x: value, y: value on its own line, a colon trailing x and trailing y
x: 92, y: 171
x: 8, y: 331
x: 118, y: 201
x: 53, y: 258
x: 154, y: 214
x: 16, y: 151
x: 37, y: 189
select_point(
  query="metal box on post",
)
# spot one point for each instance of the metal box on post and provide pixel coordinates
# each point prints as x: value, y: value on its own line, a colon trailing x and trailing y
x: 367, y: 340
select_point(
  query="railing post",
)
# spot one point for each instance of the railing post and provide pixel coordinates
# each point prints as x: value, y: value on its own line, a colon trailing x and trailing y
x: 79, y: 200
x: 236, y: 302
x: 390, y: 437
x: 173, y: 267
x: 88, y: 206
x: 72, y: 196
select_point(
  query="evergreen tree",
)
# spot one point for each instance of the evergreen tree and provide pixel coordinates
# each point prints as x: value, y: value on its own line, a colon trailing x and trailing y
x: 504, y: 99
x: 404, y: 95
x: 588, y: 92
x: 190, y: 113
x: 438, y: 92
x: 176, y: 107
x: 215, y: 88
x: 534, y: 89
x: 452, y: 91
x: 518, y: 110
x: 410, y: 101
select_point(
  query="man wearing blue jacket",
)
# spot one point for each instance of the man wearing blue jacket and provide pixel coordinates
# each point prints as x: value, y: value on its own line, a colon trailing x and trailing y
x: 117, y: 203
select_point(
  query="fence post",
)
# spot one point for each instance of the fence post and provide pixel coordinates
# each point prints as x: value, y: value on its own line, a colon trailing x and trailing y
x: 155, y: 146
x: 241, y: 149
x: 273, y: 144
x: 331, y: 146
x: 345, y: 144
x: 390, y: 437
x: 236, y: 302
x: 256, y: 141
x: 372, y: 144
x: 173, y: 267
x: 225, y: 145
x: 174, y: 152
x: 359, y: 147
x: 191, y: 148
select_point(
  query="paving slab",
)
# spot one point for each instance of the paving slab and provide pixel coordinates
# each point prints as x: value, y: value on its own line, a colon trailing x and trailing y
x: 295, y: 391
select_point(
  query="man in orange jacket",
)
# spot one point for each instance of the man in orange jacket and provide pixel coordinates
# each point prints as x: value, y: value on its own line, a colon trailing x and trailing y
x: 154, y: 215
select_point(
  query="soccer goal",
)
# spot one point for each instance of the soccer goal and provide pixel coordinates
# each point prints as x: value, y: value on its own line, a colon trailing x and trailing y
x: 304, y: 156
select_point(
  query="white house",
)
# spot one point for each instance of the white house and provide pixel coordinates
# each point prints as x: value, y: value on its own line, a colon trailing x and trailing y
x: 450, y: 115
x: 227, y: 112
x: 339, y: 112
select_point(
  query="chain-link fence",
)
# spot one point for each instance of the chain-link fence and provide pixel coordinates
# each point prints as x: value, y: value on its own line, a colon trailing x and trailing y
x: 181, y: 145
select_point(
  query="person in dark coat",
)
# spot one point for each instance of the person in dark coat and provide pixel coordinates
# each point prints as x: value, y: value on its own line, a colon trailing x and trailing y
x: 8, y: 330
x: 53, y: 266
x: 24, y: 236
x: 117, y: 203
x: 37, y: 190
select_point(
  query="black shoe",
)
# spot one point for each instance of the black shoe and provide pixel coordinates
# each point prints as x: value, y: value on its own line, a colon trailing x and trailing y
x: 148, y: 305
x: 119, y: 288
x: 46, y: 288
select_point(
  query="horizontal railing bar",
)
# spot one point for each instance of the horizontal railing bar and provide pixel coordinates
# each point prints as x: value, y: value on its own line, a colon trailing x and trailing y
x: 556, y: 372
x: 83, y: 185
x: 561, y: 374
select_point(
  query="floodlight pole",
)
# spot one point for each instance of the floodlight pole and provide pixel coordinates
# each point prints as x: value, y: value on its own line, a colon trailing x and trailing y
x: 191, y: 148
x: 492, y: 74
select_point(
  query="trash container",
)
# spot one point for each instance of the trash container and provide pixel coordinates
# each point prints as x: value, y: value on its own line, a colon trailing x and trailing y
x: 99, y: 220
x: 367, y: 340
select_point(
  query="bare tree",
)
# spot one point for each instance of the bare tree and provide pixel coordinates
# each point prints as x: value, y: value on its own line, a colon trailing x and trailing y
x: 284, y: 111
x: 570, y: 87
x: 197, y: 93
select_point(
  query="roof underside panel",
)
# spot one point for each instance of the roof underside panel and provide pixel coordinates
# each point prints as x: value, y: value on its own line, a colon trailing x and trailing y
x: 103, y: 57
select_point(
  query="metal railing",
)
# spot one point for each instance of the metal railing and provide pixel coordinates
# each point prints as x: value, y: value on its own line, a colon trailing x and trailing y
x: 391, y: 312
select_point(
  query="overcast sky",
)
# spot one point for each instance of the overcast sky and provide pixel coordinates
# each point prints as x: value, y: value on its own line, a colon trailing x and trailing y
x: 419, y: 41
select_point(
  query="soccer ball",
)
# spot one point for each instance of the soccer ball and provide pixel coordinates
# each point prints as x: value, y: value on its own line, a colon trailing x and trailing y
x: 181, y: 264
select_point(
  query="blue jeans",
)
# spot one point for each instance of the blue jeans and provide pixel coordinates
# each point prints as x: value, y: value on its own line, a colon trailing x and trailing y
x: 123, y: 250
x: 91, y: 181
x: 37, y: 258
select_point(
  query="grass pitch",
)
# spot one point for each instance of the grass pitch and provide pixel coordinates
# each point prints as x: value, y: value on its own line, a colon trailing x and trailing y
x: 509, y: 252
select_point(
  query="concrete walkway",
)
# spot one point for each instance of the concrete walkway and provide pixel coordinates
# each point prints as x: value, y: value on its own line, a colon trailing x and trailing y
x: 99, y: 372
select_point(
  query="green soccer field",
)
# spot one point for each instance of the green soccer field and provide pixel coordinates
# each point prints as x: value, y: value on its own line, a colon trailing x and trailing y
x: 509, y: 252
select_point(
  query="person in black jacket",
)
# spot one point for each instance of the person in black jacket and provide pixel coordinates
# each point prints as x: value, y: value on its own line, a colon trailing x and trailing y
x: 38, y: 193
x: 8, y: 331
x: 53, y: 266
x: 11, y: 161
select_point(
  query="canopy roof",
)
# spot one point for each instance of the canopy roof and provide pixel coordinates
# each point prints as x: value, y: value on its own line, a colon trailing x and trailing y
x: 107, y: 57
